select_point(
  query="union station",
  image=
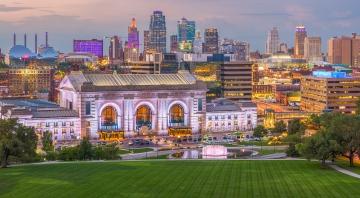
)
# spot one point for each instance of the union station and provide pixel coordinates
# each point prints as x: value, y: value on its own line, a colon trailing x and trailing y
x: 115, y: 106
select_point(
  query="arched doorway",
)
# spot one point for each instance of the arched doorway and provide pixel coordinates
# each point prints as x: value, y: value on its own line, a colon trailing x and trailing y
x: 143, y: 117
x: 177, y: 116
x: 109, y: 119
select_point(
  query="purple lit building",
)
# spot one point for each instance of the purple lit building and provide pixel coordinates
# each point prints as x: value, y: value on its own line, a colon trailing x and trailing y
x: 133, y: 35
x: 93, y: 46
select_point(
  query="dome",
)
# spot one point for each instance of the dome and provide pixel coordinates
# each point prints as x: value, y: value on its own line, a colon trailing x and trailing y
x: 20, y: 51
x: 47, y: 53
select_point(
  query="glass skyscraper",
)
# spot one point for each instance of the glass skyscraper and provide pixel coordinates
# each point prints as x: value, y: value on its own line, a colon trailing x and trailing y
x: 186, y: 34
x: 157, y: 32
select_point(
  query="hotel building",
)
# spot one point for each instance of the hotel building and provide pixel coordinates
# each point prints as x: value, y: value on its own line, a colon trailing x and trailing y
x: 329, y: 91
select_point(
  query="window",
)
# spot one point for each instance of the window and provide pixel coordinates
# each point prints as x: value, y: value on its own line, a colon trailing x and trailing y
x: 63, y: 131
x: 71, y: 123
x: 56, y: 124
x: 47, y: 124
x: 200, y: 104
x: 63, y: 123
x: 229, y: 117
x: 235, y: 117
x: 216, y: 117
x: 209, y: 118
x: 88, y: 108
x: 223, y: 117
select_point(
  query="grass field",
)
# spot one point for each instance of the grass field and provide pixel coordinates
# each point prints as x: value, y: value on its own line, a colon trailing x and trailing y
x: 177, y: 179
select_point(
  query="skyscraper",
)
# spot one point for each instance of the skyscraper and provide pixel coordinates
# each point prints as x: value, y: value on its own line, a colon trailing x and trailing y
x: 211, y: 45
x: 198, y: 43
x: 133, y: 35
x: 146, y: 41
x: 115, y: 50
x: 158, y: 32
x: 174, y: 43
x: 186, y: 34
x: 300, y: 35
x: 272, y: 42
x: 344, y: 50
x: 312, y: 49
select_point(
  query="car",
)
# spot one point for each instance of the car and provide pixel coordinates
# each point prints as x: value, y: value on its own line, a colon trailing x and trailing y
x: 130, y: 143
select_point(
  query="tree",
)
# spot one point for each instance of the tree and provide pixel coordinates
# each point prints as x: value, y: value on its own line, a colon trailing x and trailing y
x: 321, y: 146
x: 47, y: 142
x: 358, y: 107
x: 296, y: 129
x: 16, y: 140
x: 85, y: 149
x: 295, y: 126
x: 280, y: 127
x: 260, y: 131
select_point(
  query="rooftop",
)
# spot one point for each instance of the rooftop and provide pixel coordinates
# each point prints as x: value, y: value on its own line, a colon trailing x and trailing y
x: 224, y: 105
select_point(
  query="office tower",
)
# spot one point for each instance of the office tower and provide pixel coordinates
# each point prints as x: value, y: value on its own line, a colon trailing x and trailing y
x: 312, y: 49
x: 133, y: 35
x: 236, y: 80
x: 344, y: 50
x: 93, y: 46
x: 198, y: 43
x: 174, y: 43
x: 186, y: 34
x: 283, y: 48
x: 211, y: 37
x: 146, y: 41
x: 329, y: 91
x: 241, y: 50
x: 36, y: 44
x: 273, y: 41
x: 116, y: 50
x: 300, y: 35
x: 157, y: 32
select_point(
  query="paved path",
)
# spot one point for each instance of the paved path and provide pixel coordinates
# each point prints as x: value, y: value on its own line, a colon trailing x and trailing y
x: 274, y: 156
x: 344, y: 171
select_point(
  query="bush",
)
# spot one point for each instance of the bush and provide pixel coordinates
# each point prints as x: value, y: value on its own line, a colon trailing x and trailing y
x: 69, y: 154
x: 292, y: 151
x: 51, y: 156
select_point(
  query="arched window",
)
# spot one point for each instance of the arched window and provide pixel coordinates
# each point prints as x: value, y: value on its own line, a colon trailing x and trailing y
x: 143, y: 117
x: 177, y: 115
x: 109, y: 118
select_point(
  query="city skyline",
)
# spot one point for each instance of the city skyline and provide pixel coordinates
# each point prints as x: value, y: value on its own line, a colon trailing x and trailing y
x: 77, y: 20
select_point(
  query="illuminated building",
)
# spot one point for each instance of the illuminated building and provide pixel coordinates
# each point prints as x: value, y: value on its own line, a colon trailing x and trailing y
x: 236, y: 80
x: 79, y: 58
x: 131, y: 54
x: 300, y: 35
x: 223, y: 115
x: 211, y: 41
x: 273, y: 41
x: 157, y: 32
x: 116, y: 54
x: 43, y: 116
x: 133, y: 35
x: 186, y: 34
x: 135, y: 104
x: 312, y: 49
x: 93, y: 46
x: 329, y: 91
x: 32, y: 82
x: 174, y: 46
x: 283, y: 48
x: 344, y: 50
x: 240, y: 50
x: 198, y: 43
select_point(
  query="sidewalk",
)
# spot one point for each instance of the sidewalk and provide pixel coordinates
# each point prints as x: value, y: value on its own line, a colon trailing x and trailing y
x: 344, y: 171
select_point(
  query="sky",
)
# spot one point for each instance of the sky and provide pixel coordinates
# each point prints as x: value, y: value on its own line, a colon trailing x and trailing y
x: 245, y: 20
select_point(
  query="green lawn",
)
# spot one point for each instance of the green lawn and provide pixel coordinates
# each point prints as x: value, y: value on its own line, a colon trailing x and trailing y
x: 270, y: 151
x: 135, y: 150
x: 177, y: 179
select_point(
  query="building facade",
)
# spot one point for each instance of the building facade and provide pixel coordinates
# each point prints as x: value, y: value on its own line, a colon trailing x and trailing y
x: 344, y: 50
x: 174, y: 44
x: 157, y: 32
x: 130, y: 105
x: 273, y: 41
x: 93, y: 46
x: 198, y: 43
x: 300, y: 35
x: 236, y: 80
x: 211, y: 41
x: 312, y: 49
x: 224, y: 115
x: 186, y: 34
x: 329, y: 91
x: 116, y: 52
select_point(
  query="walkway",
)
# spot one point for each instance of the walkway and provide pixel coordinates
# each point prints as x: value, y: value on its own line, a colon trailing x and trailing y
x: 344, y: 171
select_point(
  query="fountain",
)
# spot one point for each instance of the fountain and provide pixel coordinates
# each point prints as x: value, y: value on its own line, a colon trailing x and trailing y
x: 214, y: 152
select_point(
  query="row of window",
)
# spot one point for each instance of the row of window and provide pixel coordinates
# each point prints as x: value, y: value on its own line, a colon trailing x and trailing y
x: 229, y: 123
x: 56, y: 124
x: 229, y: 117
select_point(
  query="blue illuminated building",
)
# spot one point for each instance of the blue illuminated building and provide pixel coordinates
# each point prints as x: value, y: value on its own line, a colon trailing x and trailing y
x: 329, y: 74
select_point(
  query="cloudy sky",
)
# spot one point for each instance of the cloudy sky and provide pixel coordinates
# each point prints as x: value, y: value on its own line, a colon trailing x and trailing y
x: 246, y: 20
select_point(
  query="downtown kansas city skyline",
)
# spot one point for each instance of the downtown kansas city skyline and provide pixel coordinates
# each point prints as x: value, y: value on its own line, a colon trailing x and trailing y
x: 245, y: 20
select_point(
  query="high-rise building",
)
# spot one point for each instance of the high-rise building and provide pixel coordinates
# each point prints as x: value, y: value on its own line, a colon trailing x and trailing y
x: 93, y: 46
x: 236, y: 80
x: 273, y: 41
x: 186, y: 34
x: 283, y: 48
x: 133, y: 35
x: 158, y: 32
x: 312, y: 49
x: 146, y: 41
x: 211, y: 44
x: 329, y: 91
x: 174, y: 43
x: 300, y: 35
x: 344, y: 50
x: 116, y: 50
x: 198, y: 43
x: 241, y: 50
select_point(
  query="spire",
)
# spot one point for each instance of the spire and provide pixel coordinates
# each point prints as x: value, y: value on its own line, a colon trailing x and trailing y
x: 133, y: 23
